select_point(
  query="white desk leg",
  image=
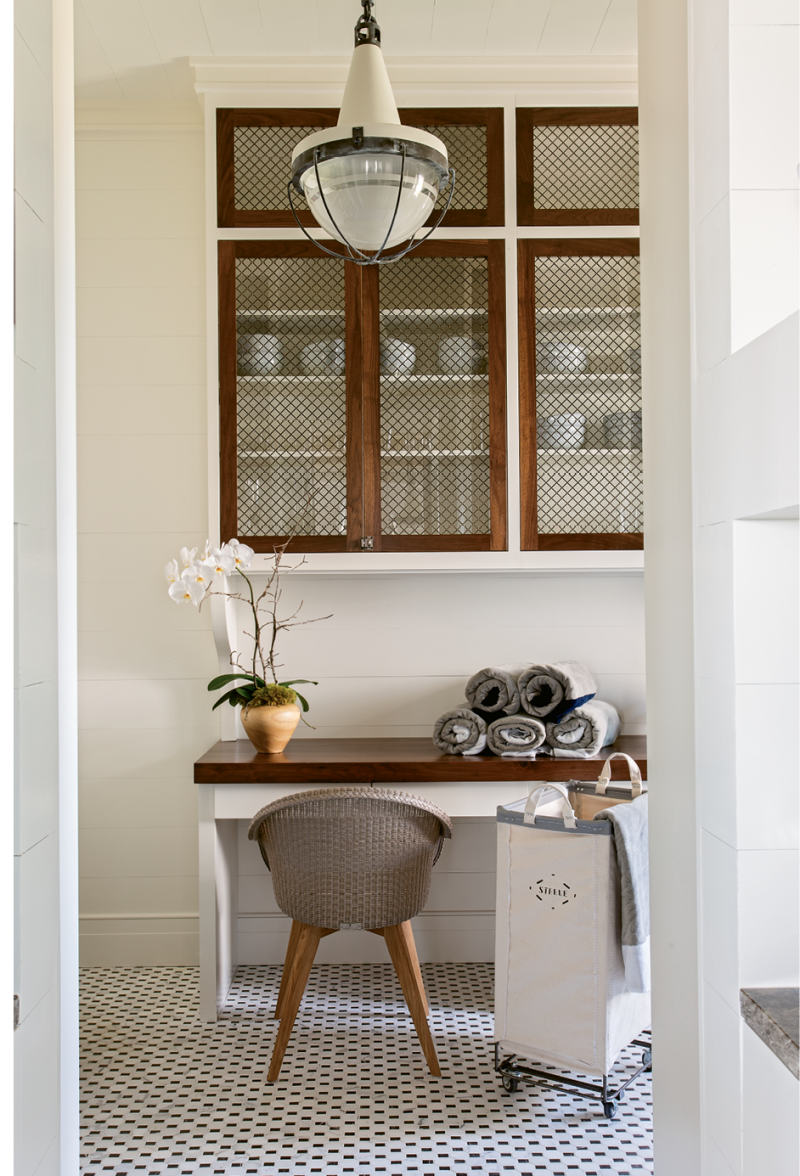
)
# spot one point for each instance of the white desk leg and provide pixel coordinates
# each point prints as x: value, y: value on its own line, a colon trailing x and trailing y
x: 219, y: 904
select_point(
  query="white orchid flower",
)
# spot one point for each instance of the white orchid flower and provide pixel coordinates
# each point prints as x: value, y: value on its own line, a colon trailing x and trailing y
x: 242, y: 554
x: 187, y: 556
x: 199, y: 574
x: 172, y: 571
x: 187, y: 590
x: 220, y: 561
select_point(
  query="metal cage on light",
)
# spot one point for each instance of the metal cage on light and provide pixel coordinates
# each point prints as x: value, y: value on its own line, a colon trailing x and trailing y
x: 369, y: 165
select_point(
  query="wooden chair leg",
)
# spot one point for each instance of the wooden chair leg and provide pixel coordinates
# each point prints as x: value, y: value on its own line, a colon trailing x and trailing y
x: 412, y: 951
x: 400, y: 942
x: 290, y: 962
x: 307, y: 943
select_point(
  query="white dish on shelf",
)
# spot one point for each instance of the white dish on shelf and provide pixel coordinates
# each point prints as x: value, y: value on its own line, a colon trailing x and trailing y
x: 566, y: 431
x: 258, y: 355
x: 560, y: 355
x: 324, y: 357
x: 623, y: 430
x: 461, y: 354
x: 397, y: 357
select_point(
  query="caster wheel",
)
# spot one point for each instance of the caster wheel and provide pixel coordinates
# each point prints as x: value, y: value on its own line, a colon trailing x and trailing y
x: 647, y: 1060
x: 510, y: 1084
x: 610, y: 1110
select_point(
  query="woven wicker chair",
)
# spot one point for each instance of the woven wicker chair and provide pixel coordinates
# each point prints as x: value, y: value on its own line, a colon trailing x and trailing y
x: 347, y: 859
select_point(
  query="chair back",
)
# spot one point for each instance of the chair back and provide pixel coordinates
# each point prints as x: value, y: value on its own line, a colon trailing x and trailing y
x: 351, y: 857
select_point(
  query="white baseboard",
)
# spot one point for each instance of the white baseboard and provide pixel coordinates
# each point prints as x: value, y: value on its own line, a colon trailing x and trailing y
x: 134, y: 949
x: 441, y: 937
x: 163, y: 941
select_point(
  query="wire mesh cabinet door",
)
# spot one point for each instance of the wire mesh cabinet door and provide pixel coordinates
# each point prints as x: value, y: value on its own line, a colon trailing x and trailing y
x: 578, y: 165
x: 434, y: 400
x: 290, y: 397
x: 254, y: 156
x: 474, y: 142
x: 254, y: 161
x: 580, y: 395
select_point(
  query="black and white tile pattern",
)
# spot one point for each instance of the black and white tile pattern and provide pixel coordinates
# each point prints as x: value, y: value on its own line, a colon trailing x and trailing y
x: 164, y: 1094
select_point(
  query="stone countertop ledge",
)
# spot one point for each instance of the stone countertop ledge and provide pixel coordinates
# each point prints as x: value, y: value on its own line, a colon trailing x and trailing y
x: 774, y: 1014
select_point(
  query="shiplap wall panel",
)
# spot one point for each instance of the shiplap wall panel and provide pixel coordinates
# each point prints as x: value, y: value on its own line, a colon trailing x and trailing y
x: 378, y: 669
x: 144, y: 662
x: 158, y: 216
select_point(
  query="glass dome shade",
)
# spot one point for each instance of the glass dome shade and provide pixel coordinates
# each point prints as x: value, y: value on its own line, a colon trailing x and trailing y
x: 361, y: 192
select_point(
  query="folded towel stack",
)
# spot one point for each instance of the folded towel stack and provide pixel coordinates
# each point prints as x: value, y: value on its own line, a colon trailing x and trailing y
x: 516, y: 709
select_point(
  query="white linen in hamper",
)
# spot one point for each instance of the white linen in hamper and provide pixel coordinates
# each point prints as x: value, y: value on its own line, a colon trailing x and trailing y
x: 560, y: 993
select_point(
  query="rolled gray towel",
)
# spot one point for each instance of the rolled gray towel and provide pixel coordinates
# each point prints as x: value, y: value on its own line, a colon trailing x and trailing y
x: 460, y: 732
x: 582, y: 733
x: 554, y: 689
x: 494, y: 689
x: 515, y: 736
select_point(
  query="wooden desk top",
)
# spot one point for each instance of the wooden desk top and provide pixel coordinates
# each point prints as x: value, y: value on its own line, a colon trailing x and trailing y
x: 394, y: 761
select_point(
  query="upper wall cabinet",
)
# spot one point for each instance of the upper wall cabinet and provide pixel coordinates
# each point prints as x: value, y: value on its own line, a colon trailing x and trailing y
x: 254, y: 154
x: 580, y: 394
x: 363, y: 408
x: 578, y: 165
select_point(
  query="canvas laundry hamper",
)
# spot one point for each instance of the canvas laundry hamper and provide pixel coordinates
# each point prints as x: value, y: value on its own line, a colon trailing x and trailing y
x: 560, y: 993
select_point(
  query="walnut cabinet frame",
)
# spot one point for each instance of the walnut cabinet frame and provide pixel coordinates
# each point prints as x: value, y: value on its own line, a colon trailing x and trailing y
x: 366, y: 460
x: 246, y: 138
x: 596, y: 146
x: 596, y: 473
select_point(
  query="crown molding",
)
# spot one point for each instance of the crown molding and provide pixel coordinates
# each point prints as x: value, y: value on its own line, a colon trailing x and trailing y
x: 239, y: 73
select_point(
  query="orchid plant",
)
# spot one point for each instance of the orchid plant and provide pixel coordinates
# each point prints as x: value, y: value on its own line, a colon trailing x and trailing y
x: 198, y: 575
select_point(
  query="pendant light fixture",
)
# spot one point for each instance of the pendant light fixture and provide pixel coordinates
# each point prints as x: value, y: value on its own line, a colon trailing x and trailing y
x: 370, y: 182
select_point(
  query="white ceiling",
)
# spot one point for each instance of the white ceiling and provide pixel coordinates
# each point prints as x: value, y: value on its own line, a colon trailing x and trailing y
x: 139, y: 49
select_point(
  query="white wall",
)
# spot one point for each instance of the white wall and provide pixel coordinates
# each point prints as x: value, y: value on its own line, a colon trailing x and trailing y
x: 396, y: 652
x: 719, y: 257
x: 744, y: 224
x: 45, y: 1041
x: 144, y: 663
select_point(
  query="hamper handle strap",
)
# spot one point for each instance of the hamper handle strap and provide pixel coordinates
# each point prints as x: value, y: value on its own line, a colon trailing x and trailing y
x: 605, y: 775
x: 535, y: 796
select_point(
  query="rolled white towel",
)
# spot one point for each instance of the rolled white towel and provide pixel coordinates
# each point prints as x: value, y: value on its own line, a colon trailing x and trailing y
x: 554, y: 689
x: 460, y: 732
x: 583, y: 732
x: 516, y: 736
x: 494, y: 689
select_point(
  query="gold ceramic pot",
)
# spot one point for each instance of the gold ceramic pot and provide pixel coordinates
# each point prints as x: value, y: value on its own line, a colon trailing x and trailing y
x: 269, y: 728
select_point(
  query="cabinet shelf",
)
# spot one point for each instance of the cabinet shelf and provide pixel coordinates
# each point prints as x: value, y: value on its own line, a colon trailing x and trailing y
x: 586, y: 452
x: 289, y: 315
x: 251, y: 381
x: 433, y: 313
x: 585, y: 377
x: 293, y: 453
x: 387, y: 377
x: 327, y: 453
x: 277, y: 379
x: 403, y: 453
x: 560, y: 311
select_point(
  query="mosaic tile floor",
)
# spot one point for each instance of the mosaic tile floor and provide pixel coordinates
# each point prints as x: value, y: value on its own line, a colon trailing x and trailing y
x: 164, y: 1094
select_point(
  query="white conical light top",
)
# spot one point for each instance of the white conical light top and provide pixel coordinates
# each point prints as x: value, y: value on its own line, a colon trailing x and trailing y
x: 368, y: 96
